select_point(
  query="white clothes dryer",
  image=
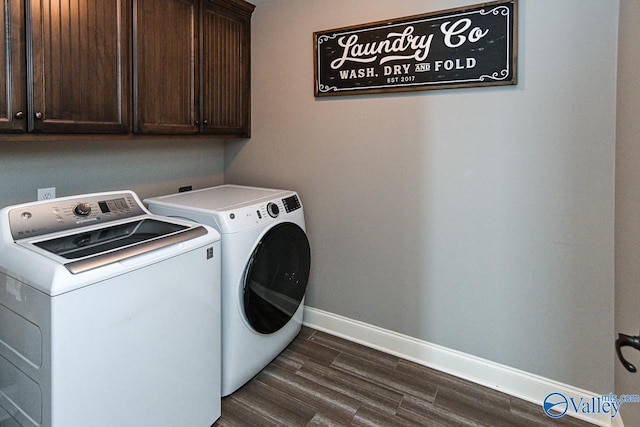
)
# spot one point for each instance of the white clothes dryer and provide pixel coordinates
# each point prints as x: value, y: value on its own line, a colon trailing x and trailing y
x: 265, y: 269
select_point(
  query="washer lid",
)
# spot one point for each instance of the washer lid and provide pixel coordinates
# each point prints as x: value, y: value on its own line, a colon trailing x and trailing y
x: 95, y: 248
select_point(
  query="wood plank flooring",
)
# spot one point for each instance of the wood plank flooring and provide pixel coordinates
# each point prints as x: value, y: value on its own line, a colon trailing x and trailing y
x: 322, y: 380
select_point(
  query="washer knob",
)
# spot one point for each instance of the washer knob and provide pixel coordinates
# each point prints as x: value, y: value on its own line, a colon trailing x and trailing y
x: 82, y: 209
x: 273, y: 210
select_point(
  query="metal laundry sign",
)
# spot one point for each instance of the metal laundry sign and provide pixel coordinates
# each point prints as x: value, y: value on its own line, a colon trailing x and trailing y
x: 470, y: 46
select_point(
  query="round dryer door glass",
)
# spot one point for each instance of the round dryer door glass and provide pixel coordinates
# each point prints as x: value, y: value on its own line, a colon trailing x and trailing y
x: 277, y: 276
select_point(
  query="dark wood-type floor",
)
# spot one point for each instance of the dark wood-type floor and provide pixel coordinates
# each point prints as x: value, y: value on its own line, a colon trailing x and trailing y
x: 322, y: 380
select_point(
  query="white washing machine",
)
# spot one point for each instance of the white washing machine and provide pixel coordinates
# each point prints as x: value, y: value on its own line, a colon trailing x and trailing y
x: 109, y: 315
x: 265, y: 269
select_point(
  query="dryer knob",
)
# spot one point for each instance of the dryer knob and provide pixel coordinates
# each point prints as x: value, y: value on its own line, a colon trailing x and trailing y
x: 273, y: 210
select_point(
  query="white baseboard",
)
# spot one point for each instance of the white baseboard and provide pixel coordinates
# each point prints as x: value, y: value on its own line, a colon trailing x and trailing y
x: 524, y: 385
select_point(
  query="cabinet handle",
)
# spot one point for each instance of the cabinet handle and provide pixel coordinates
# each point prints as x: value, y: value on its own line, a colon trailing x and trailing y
x: 38, y: 115
x: 19, y: 114
x: 205, y: 122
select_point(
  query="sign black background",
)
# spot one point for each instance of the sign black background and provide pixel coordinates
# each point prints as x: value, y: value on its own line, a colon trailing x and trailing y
x: 493, y: 57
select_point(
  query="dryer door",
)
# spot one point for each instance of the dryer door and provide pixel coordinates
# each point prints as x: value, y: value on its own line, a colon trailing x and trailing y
x: 276, y: 277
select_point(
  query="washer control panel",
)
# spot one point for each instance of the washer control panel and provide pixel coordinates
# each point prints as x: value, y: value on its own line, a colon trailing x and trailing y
x: 82, y: 209
x: 35, y: 219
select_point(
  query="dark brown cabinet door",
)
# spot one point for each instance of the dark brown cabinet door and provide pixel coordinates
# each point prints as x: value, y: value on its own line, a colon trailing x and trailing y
x: 12, y: 63
x: 226, y: 51
x: 165, y: 71
x: 78, y: 63
x: 191, y: 66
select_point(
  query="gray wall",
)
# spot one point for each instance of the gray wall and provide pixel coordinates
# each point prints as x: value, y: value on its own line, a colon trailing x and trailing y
x: 428, y: 214
x: 149, y: 167
x: 478, y: 219
x: 628, y: 200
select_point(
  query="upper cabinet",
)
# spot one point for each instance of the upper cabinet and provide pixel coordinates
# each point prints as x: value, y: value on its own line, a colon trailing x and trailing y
x: 165, y: 71
x: 12, y: 63
x: 79, y: 66
x: 192, y: 67
x: 66, y: 66
x: 226, y: 67
x: 79, y: 61
x: 121, y: 66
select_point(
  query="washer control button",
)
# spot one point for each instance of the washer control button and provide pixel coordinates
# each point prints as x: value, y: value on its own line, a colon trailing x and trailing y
x: 273, y: 210
x: 82, y: 209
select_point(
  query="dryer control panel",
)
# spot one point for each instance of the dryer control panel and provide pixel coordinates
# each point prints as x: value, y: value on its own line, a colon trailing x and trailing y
x: 257, y: 214
x: 291, y: 203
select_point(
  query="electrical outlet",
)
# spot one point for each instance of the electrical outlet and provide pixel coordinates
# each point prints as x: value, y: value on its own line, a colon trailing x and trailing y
x: 46, y: 193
